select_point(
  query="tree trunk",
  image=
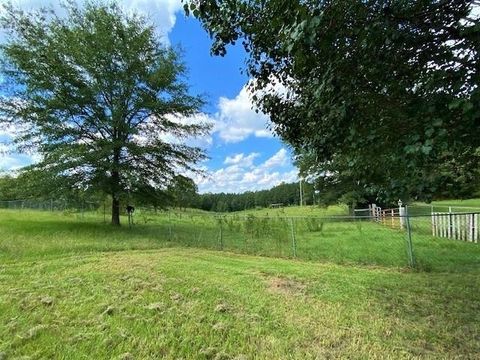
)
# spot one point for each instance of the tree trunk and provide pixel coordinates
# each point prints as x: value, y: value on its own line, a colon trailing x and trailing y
x: 115, y: 211
x: 116, y: 183
x: 115, y: 196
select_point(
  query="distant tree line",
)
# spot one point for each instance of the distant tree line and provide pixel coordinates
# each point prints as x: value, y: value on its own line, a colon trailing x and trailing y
x: 183, y: 193
x: 280, y: 195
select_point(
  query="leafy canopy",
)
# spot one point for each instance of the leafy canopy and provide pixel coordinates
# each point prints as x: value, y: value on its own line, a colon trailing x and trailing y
x: 374, y: 95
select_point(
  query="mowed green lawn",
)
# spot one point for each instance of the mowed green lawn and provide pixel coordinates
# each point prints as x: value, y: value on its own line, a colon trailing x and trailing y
x: 465, y: 202
x: 72, y: 289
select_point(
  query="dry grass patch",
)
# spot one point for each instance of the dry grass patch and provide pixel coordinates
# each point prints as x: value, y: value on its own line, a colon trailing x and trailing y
x: 286, y: 286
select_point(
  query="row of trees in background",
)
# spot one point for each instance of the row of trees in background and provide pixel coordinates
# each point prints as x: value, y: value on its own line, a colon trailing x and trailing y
x: 182, y: 193
x: 280, y: 195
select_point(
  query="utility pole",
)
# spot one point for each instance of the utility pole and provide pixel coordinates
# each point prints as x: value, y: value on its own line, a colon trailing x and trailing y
x: 316, y: 194
x: 301, y: 193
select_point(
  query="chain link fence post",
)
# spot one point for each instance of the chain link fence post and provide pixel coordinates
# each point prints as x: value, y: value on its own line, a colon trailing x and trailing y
x: 294, y: 240
x: 410, y: 253
x: 169, y: 226
x: 221, y: 233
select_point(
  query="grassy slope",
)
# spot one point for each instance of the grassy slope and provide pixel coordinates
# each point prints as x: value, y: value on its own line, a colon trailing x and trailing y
x: 298, y: 211
x: 467, y: 205
x: 67, y: 292
x: 466, y: 202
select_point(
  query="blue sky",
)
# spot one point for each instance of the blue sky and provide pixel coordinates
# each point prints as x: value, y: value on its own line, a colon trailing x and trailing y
x: 243, y: 153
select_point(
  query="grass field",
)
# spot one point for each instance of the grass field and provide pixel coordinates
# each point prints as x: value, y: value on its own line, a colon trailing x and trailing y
x: 74, y: 288
x: 298, y: 211
x: 456, y: 206
x: 466, y: 202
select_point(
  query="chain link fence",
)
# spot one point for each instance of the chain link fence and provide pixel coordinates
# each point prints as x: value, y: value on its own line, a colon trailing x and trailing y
x: 401, y: 241
x: 50, y: 205
x: 426, y: 241
x: 81, y: 210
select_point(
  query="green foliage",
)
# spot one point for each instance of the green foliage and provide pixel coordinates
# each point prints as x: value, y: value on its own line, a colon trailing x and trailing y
x: 380, y: 97
x: 10, y: 188
x: 314, y: 225
x: 37, y: 185
x: 183, y: 191
x: 94, y: 92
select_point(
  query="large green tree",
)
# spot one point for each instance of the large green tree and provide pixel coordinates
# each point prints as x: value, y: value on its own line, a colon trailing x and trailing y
x: 96, y: 92
x: 374, y: 95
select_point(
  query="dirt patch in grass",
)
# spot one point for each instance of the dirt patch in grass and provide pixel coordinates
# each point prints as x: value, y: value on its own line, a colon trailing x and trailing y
x: 286, y: 286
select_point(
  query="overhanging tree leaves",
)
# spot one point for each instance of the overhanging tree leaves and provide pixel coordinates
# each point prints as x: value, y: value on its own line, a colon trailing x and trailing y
x: 375, y: 95
x: 97, y: 93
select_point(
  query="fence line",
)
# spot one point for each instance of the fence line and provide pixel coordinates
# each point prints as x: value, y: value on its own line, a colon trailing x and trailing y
x: 49, y: 205
x: 393, y: 217
x: 345, y: 239
x: 458, y: 226
x: 373, y: 237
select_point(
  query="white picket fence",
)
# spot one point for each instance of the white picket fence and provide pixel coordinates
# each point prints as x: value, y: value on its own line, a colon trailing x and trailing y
x: 458, y: 226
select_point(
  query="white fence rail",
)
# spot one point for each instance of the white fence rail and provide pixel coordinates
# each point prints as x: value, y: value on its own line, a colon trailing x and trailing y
x: 458, y: 226
x: 394, y: 218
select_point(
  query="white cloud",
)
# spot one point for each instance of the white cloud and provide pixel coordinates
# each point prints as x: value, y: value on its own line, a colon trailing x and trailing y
x: 265, y: 179
x: 161, y: 12
x: 11, y: 162
x: 236, y: 119
x: 475, y: 13
x: 241, y: 159
x: 8, y: 131
x: 279, y: 159
x: 242, y: 175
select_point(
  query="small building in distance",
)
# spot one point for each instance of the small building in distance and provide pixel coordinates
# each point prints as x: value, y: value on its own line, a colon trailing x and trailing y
x: 277, y: 205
